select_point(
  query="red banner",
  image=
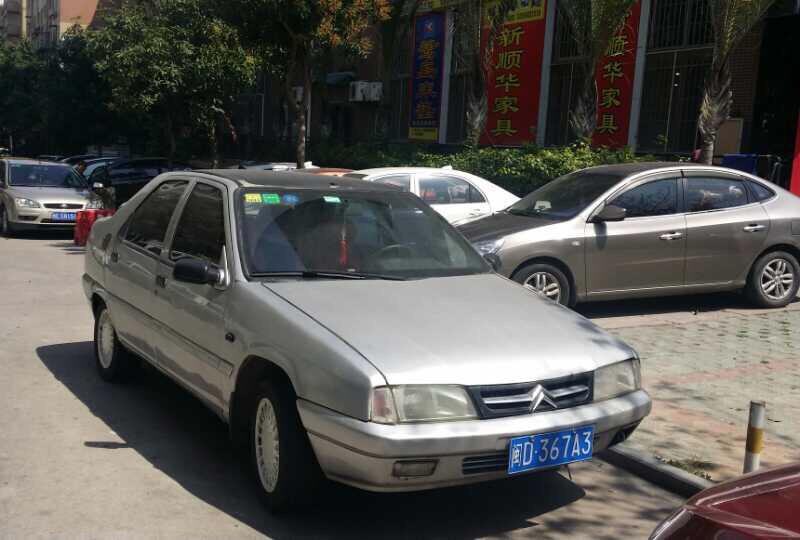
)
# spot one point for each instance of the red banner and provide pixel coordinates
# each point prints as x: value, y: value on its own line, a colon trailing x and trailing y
x: 794, y: 184
x: 514, y: 76
x: 615, y: 84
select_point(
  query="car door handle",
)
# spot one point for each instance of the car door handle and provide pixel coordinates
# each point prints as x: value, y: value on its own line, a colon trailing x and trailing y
x: 753, y: 228
x: 671, y: 236
x: 161, y: 281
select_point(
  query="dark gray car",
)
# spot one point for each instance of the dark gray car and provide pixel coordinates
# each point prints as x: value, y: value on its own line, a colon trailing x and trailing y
x: 648, y: 229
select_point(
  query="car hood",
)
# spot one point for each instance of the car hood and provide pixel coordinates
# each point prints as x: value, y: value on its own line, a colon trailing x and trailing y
x: 500, y: 225
x: 469, y: 330
x: 49, y: 194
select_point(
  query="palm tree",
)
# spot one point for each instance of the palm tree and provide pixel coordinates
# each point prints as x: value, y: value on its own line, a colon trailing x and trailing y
x: 592, y: 24
x: 731, y: 21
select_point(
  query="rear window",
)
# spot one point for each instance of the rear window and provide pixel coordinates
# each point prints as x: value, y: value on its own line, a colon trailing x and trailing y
x: 760, y: 192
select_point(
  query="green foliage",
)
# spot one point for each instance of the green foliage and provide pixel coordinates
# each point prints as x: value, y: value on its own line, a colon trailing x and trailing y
x: 174, y: 60
x: 519, y: 170
x: 20, y: 73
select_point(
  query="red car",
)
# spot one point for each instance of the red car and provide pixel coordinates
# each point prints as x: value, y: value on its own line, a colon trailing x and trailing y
x: 764, y: 504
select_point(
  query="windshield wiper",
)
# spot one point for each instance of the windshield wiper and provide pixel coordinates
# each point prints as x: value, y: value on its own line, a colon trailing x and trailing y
x: 321, y: 274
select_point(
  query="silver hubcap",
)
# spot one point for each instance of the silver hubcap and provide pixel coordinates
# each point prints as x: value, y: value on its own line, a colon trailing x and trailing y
x: 105, y: 340
x: 777, y: 279
x: 545, y: 284
x: 267, y: 445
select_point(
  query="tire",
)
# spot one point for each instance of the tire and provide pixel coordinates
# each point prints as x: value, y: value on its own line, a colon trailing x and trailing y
x: 291, y: 478
x: 6, y: 227
x: 539, y: 276
x: 114, y: 362
x: 773, y: 280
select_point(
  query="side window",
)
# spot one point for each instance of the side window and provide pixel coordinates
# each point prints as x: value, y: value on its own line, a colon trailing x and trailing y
x: 714, y: 194
x: 201, y: 229
x: 656, y: 198
x: 760, y: 192
x: 148, y: 226
x: 403, y: 181
x: 2, y: 173
x: 447, y: 190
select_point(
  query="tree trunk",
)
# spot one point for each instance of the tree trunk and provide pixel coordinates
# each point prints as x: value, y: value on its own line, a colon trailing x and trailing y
x: 714, y: 109
x: 298, y: 110
x: 583, y: 116
x: 214, y: 140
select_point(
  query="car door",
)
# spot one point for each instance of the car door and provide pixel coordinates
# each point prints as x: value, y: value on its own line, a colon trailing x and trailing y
x: 133, y: 264
x: 453, y: 197
x: 726, y: 229
x: 190, y: 316
x: 647, y: 249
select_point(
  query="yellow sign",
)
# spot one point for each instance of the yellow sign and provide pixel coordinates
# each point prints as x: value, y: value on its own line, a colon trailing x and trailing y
x: 526, y: 11
x: 423, y: 134
x: 252, y: 197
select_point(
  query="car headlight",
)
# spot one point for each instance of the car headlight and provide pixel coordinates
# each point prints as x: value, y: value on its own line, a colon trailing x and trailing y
x: 489, y: 247
x: 26, y: 203
x: 417, y: 403
x: 617, y: 379
x: 94, y: 204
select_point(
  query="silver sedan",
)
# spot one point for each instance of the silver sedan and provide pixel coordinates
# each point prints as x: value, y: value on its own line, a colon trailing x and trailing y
x: 648, y: 229
x: 332, y: 323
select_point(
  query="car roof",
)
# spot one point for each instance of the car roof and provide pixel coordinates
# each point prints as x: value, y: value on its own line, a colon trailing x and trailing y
x: 294, y: 179
x: 33, y: 161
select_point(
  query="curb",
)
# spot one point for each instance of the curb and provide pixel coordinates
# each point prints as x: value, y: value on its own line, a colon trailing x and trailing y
x: 649, y: 468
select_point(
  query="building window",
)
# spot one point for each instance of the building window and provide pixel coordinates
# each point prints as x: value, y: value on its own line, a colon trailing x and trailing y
x: 679, y: 49
x: 567, y: 70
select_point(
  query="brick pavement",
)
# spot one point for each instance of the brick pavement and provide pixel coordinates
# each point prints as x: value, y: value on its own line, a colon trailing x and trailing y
x: 703, y: 368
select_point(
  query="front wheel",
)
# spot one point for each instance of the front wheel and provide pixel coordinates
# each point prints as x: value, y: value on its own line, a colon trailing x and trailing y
x: 286, y: 469
x: 6, y: 228
x: 545, y: 280
x: 773, y: 280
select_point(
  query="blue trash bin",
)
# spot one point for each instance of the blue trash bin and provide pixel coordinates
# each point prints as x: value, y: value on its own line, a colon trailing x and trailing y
x: 741, y: 162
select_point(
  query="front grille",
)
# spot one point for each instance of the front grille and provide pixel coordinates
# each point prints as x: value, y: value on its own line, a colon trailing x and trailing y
x: 63, y: 206
x: 496, y: 401
x: 485, y: 463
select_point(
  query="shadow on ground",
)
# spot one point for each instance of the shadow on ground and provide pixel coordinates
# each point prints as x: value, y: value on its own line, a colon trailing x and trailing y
x: 69, y: 247
x: 696, y: 303
x: 185, y: 441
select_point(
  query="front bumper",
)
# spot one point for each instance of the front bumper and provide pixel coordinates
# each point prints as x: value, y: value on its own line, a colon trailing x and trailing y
x: 363, y: 454
x: 39, y: 218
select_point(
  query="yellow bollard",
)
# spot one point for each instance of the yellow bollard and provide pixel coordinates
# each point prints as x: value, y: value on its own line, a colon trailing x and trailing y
x: 755, y: 436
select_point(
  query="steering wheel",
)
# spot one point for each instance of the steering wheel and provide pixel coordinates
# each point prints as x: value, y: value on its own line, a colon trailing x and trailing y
x: 396, y: 250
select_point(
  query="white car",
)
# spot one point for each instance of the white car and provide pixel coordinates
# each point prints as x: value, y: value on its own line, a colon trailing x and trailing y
x: 456, y: 195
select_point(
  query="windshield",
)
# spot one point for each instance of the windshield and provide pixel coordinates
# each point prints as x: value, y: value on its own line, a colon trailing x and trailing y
x: 565, y: 197
x: 368, y: 234
x: 45, y: 175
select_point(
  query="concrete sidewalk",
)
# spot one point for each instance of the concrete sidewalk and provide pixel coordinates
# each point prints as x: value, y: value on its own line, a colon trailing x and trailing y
x: 703, y: 359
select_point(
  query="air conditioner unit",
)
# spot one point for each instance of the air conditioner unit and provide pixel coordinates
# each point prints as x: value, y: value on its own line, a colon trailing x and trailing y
x: 359, y: 91
x: 298, y: 94
x: 375, y: 91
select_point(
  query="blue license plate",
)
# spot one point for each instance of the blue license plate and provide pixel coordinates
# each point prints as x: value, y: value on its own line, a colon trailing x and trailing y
x: 63, y: 216
x: 550, y: 449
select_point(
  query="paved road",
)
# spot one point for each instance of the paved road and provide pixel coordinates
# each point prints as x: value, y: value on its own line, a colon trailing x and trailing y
x: 83, y: 459
x: 704, y: 358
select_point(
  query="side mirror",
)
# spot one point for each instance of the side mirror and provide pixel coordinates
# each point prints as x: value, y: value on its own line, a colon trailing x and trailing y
x: 610, y: 213
x: 493, y: 260
x: 191, y: 270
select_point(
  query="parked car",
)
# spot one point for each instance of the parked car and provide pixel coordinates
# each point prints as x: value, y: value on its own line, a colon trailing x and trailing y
x: 93, y: 164
x: 760, y: 505
x: 334, y: 327
x: 39, y: 195
x: 74, y: 160
x: 325, y: 171
x: 128, y: 176
x: 648, y: 229
x: 273, y: 165
x: 457, y: 195
x: 49, y: 157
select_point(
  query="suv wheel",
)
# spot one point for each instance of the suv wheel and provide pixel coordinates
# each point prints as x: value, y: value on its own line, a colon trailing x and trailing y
x: 114, y: 362
x: 285, y: 467
x: 546, y: 280
x: 774, y: 280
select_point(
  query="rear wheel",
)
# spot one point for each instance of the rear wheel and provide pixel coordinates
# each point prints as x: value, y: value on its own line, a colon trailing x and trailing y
x: 773, y: 280
x: 285, y: 467
x: 113, y: 361
x: 545, y: 280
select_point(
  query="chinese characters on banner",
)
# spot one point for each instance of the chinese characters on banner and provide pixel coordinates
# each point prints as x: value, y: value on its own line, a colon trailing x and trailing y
x: 615, y: 84
x: 426, y: 77
x: 514, y: 76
